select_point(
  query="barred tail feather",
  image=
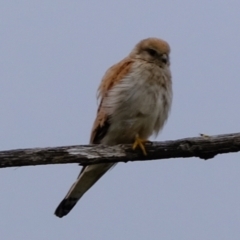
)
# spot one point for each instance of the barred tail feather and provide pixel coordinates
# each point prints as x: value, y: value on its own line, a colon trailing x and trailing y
x: 86, y: 179
x: 65, y: 207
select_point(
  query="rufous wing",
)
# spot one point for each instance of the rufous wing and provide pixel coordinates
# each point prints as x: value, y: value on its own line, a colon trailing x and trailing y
x: 111, y: 78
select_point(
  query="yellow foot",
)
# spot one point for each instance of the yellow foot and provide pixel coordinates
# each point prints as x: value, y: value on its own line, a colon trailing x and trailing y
x: 139, y: 142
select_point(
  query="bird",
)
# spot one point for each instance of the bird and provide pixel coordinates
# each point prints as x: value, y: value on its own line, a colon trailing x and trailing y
x: 135, y: 97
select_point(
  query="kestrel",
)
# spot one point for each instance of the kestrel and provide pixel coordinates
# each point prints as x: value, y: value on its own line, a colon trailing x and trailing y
x: 135, y: 98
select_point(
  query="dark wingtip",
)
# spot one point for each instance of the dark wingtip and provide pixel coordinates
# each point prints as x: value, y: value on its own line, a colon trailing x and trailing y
x: 65, y: 207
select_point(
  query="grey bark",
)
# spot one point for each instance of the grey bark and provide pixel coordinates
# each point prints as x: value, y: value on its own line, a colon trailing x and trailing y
x: 204, y: 147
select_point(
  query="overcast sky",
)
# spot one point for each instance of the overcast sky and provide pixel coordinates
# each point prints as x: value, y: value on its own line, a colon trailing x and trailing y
x: 53, y: 55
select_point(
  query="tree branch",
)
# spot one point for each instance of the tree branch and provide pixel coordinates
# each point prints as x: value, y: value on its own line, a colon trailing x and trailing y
x: 204, y: 147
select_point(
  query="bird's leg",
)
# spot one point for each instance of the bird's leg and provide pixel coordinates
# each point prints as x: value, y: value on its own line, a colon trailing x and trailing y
x: 139, y: 142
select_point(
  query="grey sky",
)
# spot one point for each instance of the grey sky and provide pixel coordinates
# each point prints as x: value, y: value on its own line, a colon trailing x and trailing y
x: 53, y: 56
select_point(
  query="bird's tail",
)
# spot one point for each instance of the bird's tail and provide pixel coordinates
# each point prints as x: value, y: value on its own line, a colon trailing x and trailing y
x: 86, y: 179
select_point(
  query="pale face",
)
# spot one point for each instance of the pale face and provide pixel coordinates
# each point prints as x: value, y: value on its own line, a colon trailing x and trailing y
x: 152, y: 50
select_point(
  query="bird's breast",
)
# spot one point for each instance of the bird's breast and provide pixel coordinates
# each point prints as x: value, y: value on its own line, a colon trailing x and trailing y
x: 139, y: 103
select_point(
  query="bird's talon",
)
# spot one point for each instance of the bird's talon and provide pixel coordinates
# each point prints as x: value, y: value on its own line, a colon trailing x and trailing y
x: 140, y: 142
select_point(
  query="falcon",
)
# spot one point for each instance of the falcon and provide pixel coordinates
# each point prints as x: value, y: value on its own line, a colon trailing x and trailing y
x: 135, y: 99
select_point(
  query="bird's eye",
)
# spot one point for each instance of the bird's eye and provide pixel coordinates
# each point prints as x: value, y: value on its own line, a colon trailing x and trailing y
x: 152, y: 52
x: 164, y: 58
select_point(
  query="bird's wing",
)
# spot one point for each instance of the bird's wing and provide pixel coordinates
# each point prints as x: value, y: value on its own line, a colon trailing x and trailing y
x: 90, y: 174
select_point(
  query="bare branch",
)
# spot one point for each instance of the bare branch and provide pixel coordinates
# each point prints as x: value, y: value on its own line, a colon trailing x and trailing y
x: 204, y: 147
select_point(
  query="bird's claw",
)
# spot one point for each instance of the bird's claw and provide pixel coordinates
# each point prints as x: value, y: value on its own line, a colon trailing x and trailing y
x: 139, y: 142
